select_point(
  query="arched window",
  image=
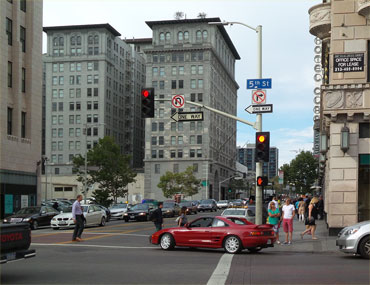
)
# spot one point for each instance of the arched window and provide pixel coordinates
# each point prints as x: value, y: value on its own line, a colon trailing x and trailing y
x: 186, y: 36
x: 90, y: 40
x: 180, y: 36
x: 168, y: 36
x: 199, y: 35
x: 78, y: 40
x: 96, y: 39
x: 73, y: 41
x: 161, y: 37
x: 61, y: 41
x: 205, y: 35
x: 55, y: 42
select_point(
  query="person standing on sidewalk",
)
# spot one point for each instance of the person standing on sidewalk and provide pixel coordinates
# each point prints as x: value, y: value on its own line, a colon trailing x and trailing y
x: 157, y: 217
x: 301, y: 209
x: 78, y: 218
x: 288, y: 215
x: 274, y: 219
x: 312, y: 216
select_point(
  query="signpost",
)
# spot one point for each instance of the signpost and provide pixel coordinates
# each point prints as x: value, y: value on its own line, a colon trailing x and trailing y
x: 259, y: 96
x: 258, y: 109
x: 187, y: 116
x: 265, y: 83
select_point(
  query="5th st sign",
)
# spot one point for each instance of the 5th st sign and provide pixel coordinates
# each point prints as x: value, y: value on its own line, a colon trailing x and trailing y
x: 258, y: 109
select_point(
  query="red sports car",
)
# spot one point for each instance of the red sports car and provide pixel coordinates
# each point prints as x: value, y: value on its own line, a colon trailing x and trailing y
x: 232, y: 234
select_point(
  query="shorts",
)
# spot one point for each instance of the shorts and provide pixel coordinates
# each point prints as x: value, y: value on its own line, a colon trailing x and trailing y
x: 276, y: 228
x: 288, y: 225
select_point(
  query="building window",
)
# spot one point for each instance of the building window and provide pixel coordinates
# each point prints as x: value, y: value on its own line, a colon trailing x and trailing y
x: 199, y: 139
x: 192, y: 140
x: 154, y: 127
x: 173, y: 153
x: 199, y: 153
x: 193, y: 69
x: 10, y: 121
x: 23, y: 5
x: 192, y: 97
x: 22, y: 38
x: 173, y: 70
x: 179, y: 153
x: 23, y: 80
x: 193, y: 84
x: 60, y: 132
x: 9, y: 31
x: 154, y: 140
x: 154, y: 154
x: 60, y: 106
x: 173, y: 126
x: 161, y: 84
x: 161, y: 126
x: 195, y: 167
x: 161, y: 140
x: 200, y: 97
x: 10, y: 74
x: 198, y: 35
x: 186, y: 35
x: 181, y: 70
x: 364, y: 130
x: 192, y: 126
x: 173, y: 84
x: 180, y: 140
x: 157, y: 168
x: 173, y: 140
x: 96, y: 105
x: 180, y: 36
x: 192, y: 153
x: 205, y: 35
x: 181, y: 84
x: 160, y: 153
x: 200, y: 83
x: 180, y: 125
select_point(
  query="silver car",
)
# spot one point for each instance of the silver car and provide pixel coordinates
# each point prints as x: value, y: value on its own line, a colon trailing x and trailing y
x: 355, y: 239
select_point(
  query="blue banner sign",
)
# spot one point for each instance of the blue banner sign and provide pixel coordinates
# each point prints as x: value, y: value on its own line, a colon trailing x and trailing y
x: 265, y: 83
x: 8, y: 203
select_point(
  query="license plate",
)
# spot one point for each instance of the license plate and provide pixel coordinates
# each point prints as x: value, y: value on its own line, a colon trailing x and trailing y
x: 62, y: 223
x: 269, y: 241
x: 132, y: 217
x: 10, y: 256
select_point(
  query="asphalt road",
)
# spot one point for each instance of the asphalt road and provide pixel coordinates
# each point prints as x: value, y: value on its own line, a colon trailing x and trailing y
x: 120, y: 253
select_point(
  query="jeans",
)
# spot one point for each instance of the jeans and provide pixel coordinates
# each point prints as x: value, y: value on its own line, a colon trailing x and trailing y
x: 79, y: 227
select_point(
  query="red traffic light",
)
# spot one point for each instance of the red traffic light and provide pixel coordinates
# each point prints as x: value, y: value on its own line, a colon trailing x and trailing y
x: 261, y: 138
x: 145, y: 93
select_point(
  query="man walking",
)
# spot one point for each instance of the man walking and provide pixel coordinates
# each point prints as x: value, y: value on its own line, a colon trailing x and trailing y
x: 78, y: 219
x: 157, y: 217
x: 288, y: 215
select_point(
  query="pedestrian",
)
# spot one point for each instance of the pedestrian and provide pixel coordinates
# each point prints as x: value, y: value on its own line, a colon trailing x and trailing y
x: 312, y: 216
x: 301, y: 209
x: 183, y: 218
x: 157, y: 217
x: 275, y: 202
x: 288, y: 215
x: 320, y: 207
x: 55, y: 206
x: 78, y: 218
x: 296, y: 208
x: 274, y: 219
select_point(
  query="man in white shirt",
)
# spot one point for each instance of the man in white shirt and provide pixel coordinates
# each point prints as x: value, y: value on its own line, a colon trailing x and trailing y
x: 288, y: 215
x: 276, y: 204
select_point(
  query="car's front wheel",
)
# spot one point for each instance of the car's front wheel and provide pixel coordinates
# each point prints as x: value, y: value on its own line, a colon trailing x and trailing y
x: 167, y: 242
x: 364, y: 247
x: 35, y: 225
x: 102, y: 222
x: 232, y: 244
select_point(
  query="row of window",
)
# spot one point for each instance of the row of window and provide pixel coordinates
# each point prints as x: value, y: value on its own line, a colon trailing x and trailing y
x: 177, y: 140
x: 179, y: 84
x: 75, y: 79
x: 75, y: 40
x: 10, y: 130
x: 10, y: 77
x: 184, y: 36
x: 76, y: 66
x: 157, y: 168
x: 177, y: 70
x: 59, y: 93
x: 176, y: 153
x: 75, y: 51
x: 177, y: 57
x: 9, y: 33
x: 179, y: 126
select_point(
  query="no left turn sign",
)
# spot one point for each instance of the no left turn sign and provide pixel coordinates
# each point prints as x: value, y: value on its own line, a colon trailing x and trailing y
x: 178, y: 101
x: 259, y: 96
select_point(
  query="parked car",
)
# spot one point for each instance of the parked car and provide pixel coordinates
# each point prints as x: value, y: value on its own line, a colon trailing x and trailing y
x: 207, y: 205
x: 236, y: 203
x: 190, y: 207
x: 240, y: 212
x: 117, y: 211
x: 355, y: 239
x: 60, y: 206
x: 232, y: 234
x: 139, y: 212
x: 35, y: 216
x: 222, y: 204
x: 170, y: 209
x: 107, y: 212
x: 15, y: 242
x: 93, y: 214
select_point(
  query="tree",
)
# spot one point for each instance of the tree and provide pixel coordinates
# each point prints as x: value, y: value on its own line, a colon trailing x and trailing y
x: 102, y: 197
x: 111, y: 170
x: 179, y: 183
x: 202, y: 15
x: 179, y: 15
x: 303, y: 172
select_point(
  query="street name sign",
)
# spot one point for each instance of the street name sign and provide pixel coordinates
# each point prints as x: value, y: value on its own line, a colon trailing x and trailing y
x: 258, y: 109
x: 259, y: 96
x: 187, y: 116
x: 265, y: 83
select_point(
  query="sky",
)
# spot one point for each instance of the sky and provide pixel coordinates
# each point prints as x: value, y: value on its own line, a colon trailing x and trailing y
x: 288, y: 53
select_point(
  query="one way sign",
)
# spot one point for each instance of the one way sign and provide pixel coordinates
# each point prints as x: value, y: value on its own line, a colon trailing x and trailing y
x: 258, y: 109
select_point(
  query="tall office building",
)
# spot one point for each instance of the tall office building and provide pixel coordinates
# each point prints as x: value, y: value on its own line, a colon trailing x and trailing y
x: 20, y: 102
x: 246, y: 156
x: 93, y: 82
x: 191, y: 58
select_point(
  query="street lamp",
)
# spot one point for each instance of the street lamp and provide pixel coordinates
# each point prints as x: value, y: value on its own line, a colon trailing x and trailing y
x: 258, y: 123
x: 237, y: 177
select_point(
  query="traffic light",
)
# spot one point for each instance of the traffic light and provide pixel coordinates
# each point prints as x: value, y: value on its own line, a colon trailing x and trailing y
x: 262, y: 180
x: 147, y: 103
x: 263, y: 146
x: 229, y: 190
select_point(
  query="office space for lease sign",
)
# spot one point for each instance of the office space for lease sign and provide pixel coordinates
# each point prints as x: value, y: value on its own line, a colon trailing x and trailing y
x: 349, y: 62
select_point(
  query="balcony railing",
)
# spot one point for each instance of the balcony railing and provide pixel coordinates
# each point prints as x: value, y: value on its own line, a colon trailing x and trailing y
x: 320, y: 20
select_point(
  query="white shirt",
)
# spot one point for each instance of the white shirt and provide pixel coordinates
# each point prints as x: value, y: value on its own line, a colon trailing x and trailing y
x: 288, y: 211
x: 276, y: 205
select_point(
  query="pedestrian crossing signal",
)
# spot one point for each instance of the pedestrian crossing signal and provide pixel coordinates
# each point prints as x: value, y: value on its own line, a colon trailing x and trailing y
x: 262, y: 180
x: 147, y: 103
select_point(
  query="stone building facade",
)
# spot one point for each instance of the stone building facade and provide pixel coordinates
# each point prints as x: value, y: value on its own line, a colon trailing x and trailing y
x: 343, y: 26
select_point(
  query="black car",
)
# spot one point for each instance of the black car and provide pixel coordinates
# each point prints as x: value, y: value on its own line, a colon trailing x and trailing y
x: 139, y: 212
x: 190, y: 207
x: 107, y: 212
x: 170, y: 209
x: 36, y: 216
x: 207, y: 205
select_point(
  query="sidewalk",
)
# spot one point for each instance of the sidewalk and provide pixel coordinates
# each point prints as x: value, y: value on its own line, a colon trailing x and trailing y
x: 324, y: 243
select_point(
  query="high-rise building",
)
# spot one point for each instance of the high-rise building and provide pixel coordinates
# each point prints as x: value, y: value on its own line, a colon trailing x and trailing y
x: 342, y: 111
x: 247, y: 157
x: 20, y: 103
x: 93, y: 83
x: 192, y: 58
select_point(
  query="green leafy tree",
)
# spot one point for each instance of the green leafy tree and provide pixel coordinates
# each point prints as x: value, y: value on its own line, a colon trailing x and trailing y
x: 303, y: 172
x: 107, y: 167
x: 179, y: 183
x: 102, y: 197
x: 286, y: 169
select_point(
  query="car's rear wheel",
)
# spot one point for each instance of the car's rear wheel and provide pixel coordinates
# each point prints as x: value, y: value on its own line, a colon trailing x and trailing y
x: 55, y: 228
x: 35, y: 225
x: 232, y: 244
x: 102, y: 223
x: 254, y: 249
x: 364, y: 247
x: 167, y: 242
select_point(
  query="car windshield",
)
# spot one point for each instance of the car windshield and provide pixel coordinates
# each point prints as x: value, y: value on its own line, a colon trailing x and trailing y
x: 29, y: 210
x: 168, y: 205
x: 118, y: 206
x: 233, y: 212
x: 185, y: 204
x: 139, y: 207
x: 206, y: 202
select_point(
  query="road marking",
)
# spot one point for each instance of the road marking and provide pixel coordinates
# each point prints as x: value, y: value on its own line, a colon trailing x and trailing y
x: 219, y: 276
x: 92, y: 245
x: 99, y: 233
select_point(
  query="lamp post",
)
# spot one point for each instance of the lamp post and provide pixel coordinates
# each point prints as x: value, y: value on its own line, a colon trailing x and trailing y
x: 258, y: 123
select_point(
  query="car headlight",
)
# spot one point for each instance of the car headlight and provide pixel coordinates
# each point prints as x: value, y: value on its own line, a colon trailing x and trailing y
x: 351, y: 231
x: 125, y: 214
x: 168, y: 211
x: 26, y: 219
x: 142, y: 214
x: 5, y: 220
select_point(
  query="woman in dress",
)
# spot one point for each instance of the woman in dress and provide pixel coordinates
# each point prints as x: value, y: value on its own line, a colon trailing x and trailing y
x: 312, y: 216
